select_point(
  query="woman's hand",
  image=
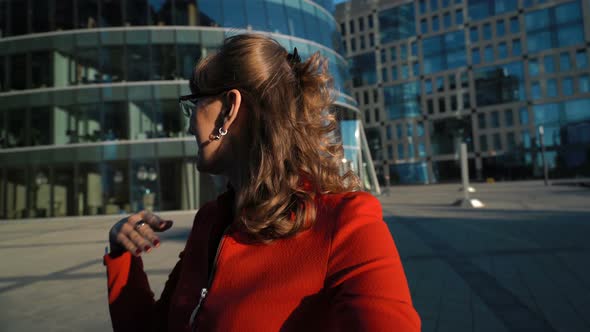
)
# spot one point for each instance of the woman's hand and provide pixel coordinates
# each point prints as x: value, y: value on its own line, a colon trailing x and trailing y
x: 136, y: 233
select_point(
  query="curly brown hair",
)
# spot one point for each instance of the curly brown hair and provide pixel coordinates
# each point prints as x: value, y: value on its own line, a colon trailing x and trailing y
x: 294, y: 152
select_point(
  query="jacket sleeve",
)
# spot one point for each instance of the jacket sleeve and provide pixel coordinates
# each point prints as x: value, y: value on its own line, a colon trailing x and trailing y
x: 131, y: 301
x: 365, y: 275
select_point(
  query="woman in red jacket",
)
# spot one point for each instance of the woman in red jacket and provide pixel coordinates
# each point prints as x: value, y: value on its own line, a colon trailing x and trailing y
x: 291, y: 246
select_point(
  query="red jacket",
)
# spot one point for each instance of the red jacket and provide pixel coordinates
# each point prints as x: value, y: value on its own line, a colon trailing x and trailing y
x: 343, y: 274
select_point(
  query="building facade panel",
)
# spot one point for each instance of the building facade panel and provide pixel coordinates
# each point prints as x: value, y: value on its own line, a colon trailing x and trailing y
x: 486, y: 73
x: 89, y: 116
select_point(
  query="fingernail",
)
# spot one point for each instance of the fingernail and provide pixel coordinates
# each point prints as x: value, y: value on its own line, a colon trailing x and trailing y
x: 137, y: 252
x: 156, y: 243
x: 147, y: 248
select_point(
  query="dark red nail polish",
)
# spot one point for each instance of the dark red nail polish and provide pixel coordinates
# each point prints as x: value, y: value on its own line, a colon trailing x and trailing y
x: 147, y: 248
x: 156, y: 243
x: 138, y: 252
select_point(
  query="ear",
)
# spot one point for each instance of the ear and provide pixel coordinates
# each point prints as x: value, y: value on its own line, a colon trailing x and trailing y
x: 234, y: 101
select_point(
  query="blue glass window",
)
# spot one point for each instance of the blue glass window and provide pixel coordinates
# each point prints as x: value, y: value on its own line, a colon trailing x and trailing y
x: 370, y: 21
x: 551, y: 88
x: 516, y: 49
x: 440, y: 84
x: 514, y: 25
x: 483, y: 143
x: 567, y: 86
x: 481, y: 121
x: 500, y: 28
x: 509, y: 118
x: 384, y: 75
x: 394, y: 73
x: 363, y: 70
x: 444, y: 52
x: 428, y: 86
x: 502, y: 50
x: 549, y: 64
x: 398, y: 131
x: 577, y: 110
x: 489, y: 54
x: 459, y: 19
x: 581, y: 59
x: 405, y: 72
x: 499, y: 84
x: 421, y: 150
x: 414, y: 49
x: 361, y: 23
x: 393, y: 53
x: 400, y: 151
x: 403, y: 52
x: 564, y: 62
x: 420, y: 129
x: 497, y: 142
x: 276, y: 16
x: 584, y: 82
x: 474, y: 34
x: 423, y: 25
x: 526, y: 139
x: 533, y: 67
x: 447, y: 20
x: 416, y: 69
x: 475, y: 56
x: 554, y: 27
x: 435, y: 24
x: 536, y: 90
x: 523, y: 116
x: 409, y: 129
x: 397, y: 23
x: 487, y: 31
x: 422, y: 5
x: 402, y: 100
x: 383, y: 54
x: 411, y: 153
x: 480, y: 9
x: 433, y: 5
x: 495, y: 119
x: 446, y: 3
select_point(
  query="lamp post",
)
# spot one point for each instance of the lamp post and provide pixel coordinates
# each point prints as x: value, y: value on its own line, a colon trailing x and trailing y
x: 545, y: 169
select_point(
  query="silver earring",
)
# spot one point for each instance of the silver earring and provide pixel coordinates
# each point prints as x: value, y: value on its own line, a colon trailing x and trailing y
x: 222, y: 132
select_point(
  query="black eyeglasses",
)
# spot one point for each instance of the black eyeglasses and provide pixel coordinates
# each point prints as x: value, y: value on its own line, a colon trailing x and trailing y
x: 188, y: 103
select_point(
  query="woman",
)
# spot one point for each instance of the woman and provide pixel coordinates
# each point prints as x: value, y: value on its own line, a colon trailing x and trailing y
x: 290, y: 246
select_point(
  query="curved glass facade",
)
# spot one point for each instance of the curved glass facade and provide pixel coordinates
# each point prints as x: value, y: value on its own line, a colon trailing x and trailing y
x: 89, y: 117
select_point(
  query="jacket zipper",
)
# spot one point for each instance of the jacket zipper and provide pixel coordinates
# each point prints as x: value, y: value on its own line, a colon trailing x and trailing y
x: 205, y: 291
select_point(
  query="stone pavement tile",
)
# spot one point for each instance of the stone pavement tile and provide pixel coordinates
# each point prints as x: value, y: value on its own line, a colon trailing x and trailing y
x: 456, y: 312
x: 431, y: 284
x: 554, y: 306
x: 571, y: 286
x: 427, y: 306
x: 429, y: 324
x: 445, y: 325
x: 484, y: 319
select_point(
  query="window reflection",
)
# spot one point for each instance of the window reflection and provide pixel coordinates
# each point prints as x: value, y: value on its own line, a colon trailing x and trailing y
x: 16, y: 193
x: 164, y: 62
x: 115, y: 121
x: 144, y: 185
x: 169, y: 121
x: 39, y: 192
x: 116, y: 187
x: 88, y: 66
x: 363, y: 69
x: 402, y: 100
x: 141, y: 120
x: 499, y: 84
x: 138, y: 57
x: 446, y: 135
x: 160, y: 12
x: 112, y: 64
x: 87, y: 14
x: 16, y: 128
x: 18, y: 71
x: 64, y: 199
x: 397, y: 23
x: 137, y: 11
x: 444, y: 52
x: 41, y: 70
x: 40, y: 131
x: 40, y: 16
x: 111, y: 13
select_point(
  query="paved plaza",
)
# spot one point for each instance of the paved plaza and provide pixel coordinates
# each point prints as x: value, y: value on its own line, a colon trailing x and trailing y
x: 519, y: 264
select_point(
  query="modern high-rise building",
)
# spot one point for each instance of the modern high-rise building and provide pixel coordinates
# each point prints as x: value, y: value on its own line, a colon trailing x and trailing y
x: 89, y: 116
x: 431, y: 74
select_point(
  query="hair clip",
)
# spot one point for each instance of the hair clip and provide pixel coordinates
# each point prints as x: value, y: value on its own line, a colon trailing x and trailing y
x: 294, y: 58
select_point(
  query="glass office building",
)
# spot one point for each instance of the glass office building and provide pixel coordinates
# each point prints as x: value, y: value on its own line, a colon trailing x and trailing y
x: 431, y: 74
x: 89, y: 116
